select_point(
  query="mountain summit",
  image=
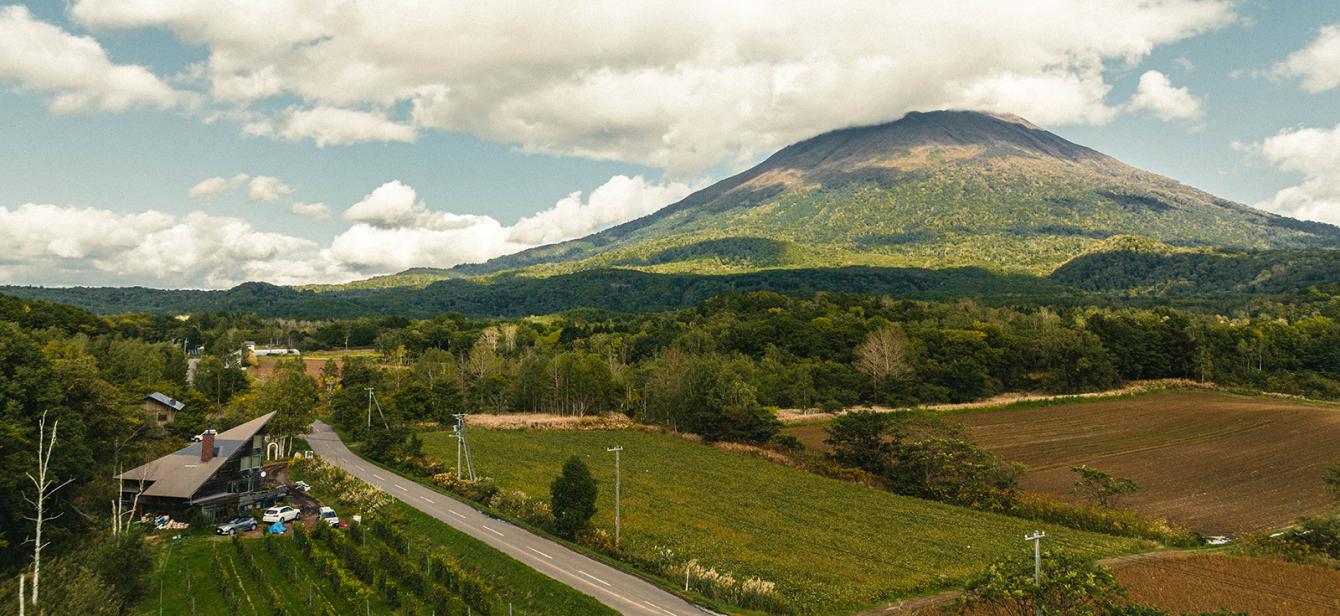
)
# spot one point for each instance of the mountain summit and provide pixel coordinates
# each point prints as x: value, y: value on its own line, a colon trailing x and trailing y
x: 937, y: 189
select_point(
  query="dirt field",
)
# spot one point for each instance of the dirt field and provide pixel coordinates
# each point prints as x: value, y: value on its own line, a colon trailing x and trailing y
x: 1260, y: 587
x: 266, y: 365
x: 1187, y: 583
x: 1215, y: 463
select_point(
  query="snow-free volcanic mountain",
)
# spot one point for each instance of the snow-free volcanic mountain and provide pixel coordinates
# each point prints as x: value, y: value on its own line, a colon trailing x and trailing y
x: 939, y: 189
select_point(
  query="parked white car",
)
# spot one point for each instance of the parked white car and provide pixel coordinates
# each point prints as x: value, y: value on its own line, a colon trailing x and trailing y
x: 282, y: 513
x: 328, y: 515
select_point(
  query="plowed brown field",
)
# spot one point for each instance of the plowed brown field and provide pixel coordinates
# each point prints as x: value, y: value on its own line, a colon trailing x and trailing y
x: 1207, y: 582
x: 1260, y: 587
x: 1215, y: 463
x: 266, y: 366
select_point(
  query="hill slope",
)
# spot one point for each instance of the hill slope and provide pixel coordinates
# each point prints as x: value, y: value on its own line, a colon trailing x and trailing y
x: 939, y: 189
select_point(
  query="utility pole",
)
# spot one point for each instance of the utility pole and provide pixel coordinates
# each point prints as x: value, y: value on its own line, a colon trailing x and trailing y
x: 463, y: 445
x: 1037, y: 561
x: 616, y: 451
x: 369, y: 406
x: 460, y: 420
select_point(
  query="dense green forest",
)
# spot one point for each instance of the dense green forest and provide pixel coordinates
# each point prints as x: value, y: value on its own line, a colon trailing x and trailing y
x: 1128, y: 271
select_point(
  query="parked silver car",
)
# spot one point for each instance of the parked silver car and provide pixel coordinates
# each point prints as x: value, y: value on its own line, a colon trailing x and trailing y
x: 240, y: 523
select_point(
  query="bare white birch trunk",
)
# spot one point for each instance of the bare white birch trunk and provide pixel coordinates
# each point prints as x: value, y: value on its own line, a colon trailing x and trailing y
x: 43, y: 491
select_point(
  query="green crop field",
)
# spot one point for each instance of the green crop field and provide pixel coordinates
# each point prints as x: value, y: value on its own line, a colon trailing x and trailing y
x: 188, y: 583
x: 207, y: 575
x: 831, y: 547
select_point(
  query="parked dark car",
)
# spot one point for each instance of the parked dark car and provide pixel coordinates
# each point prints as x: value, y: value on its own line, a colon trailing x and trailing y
x: 239, y: 523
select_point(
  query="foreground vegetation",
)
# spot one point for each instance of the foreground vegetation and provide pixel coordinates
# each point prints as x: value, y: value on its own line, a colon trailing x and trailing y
x: 829, y: 546
x: 475, y: 574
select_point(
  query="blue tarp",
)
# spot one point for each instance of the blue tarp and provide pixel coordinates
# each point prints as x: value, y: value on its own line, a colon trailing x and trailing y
x: 278, y: 528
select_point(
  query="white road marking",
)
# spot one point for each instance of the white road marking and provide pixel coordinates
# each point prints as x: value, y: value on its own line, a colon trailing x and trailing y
x: 456, y: 514
x: 359, y: 467
x: 429, y: 500
x: 539, y: 552
x: 659, y: 608
x: 593, y: 577
x: 379, y: 476
x: 402, y: 488
x: 492, y: 531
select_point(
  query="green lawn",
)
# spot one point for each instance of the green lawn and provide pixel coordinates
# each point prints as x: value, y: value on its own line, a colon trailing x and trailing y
x: 830, y: 546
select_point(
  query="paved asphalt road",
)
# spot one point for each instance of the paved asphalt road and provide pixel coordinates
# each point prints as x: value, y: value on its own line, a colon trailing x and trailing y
x: 626, y: 593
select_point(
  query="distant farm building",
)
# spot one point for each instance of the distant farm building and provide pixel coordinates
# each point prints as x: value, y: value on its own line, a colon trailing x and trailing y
x: 265, y: 352
x: 163, y: 407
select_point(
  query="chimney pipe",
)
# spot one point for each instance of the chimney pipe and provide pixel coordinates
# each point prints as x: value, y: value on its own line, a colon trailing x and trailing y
x: 207, y: 446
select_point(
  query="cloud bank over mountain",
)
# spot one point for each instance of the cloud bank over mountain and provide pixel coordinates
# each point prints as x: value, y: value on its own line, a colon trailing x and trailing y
x: 679, y: 85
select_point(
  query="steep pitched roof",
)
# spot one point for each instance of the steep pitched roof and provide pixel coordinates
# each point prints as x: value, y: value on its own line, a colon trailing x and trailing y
x: 181, y: 473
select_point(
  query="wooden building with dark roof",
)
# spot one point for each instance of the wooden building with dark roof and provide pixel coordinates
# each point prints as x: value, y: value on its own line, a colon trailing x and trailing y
x: 220, y: 471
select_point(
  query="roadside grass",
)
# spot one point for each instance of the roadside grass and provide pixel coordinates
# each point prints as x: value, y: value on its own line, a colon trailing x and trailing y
x: 830, y: 546
x: 530, y: 592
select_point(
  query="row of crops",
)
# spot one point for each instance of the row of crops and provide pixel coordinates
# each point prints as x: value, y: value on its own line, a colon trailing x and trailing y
x: 361, y: 569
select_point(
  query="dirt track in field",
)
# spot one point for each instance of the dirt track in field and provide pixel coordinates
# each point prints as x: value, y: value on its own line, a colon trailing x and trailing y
x: 1215, y: 463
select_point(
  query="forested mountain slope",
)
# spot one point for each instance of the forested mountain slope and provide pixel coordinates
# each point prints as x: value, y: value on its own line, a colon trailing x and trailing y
x: 939, y: 189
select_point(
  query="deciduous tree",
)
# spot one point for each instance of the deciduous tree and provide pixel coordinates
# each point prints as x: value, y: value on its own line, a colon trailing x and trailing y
x: 573, y: 497
x: 886, y: 353
x: 1101, y: 487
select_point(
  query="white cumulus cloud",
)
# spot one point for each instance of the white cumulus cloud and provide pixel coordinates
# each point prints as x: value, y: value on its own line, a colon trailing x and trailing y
x: 1157, y: 95
x: 267, y: 189
x: 331, y: 126
x: 74, y: 70
x: 51, y: 244
x: 392, y: 205
x: 619, y: 200
x: 394, y: 230
x: 1315, y: 153
x: 674, y: 84
x: 318, y: 211
x: 1318, y: 63
x: 216, y: 186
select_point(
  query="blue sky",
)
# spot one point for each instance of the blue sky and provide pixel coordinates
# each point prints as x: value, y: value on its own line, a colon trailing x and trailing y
x: 203, y: 143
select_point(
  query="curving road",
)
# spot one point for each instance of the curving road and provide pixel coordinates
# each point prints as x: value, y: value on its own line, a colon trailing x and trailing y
x: 624, y: 592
